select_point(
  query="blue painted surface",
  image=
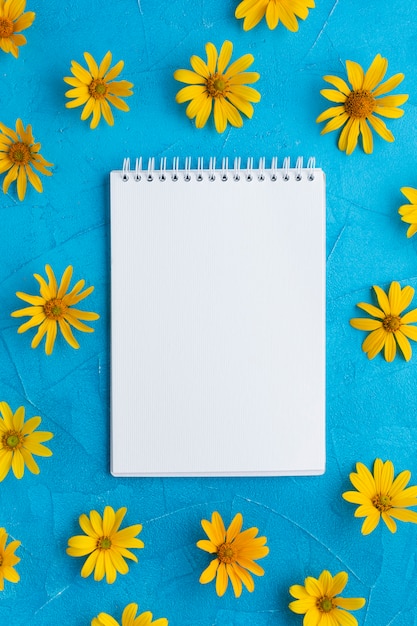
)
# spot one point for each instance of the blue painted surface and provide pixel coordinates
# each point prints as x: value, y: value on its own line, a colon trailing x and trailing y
x: 371, y: 404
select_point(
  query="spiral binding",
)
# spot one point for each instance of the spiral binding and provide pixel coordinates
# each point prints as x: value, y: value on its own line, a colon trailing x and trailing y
x: 236, y: 172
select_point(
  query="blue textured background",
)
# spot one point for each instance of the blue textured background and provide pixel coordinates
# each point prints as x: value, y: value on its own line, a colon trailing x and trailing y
x: 371, y: 404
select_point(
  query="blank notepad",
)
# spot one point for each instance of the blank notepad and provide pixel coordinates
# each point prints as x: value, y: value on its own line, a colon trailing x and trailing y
x: 218, y: 320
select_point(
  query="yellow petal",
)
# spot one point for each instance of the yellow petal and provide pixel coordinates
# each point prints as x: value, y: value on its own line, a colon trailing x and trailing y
x: 410, y: 193
x: 187, y: 76
x: 363, y: 323
x: 367, y: 139
x: 380, y: 127
x: 390, y: 348
x: 210, y: 572
x: 371, y: 522
x: 240, y: 65
x: 105, y: 64
x: 333, y: 95
x: 392, y: 526
x: 339, y: 83
x: 388, y: 85
x: 375, y: 73
x: 224, y: 56
x: 355, y: 74
x: 211, y: 53
x: 199, y: 66
x: 92, y: 65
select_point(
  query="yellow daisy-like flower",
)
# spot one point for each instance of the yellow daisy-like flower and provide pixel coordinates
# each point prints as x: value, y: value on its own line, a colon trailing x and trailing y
x: 129, y: 618
x: 19, y: 154
x: 12, y: 21
x: 274, y: 11
x: 8, y: 560
x: 54, y: 308
x: 359, y: 105
x: 19, y: 442
x: 379, y: 495
x: 96, y: 89
x: 106, y: 545
x: 213, y: 85
x: 235, y: 552
x: 390, y: 328
x: 408, y: 212
x: 317, y: 601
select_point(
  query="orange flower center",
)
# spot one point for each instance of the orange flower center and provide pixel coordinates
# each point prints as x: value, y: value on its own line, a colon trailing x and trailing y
x: 98, y: 88
x: 104, y: 543
x: 12, y: 440
x: 325, y: 604
x: 382, y: 503
x: 1, y: 560
x: 19, y: 153
x: 391, y: 323
x: 6, y: 27
x: 359, y: 103
x: 54, y: 309
x: 226, y: 553
x: 217, y: 85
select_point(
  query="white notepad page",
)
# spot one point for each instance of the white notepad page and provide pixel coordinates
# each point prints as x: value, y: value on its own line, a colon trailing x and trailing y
x: 218, y: 324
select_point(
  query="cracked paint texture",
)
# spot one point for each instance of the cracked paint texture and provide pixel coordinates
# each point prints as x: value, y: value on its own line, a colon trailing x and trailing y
x: 371, y: 405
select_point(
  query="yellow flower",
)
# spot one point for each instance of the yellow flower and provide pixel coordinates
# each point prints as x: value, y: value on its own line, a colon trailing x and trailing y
x: 18, y: 155
x: 53, y: 308
x: 105, y: 544
x: 274, y: 11
x: 360, y: 104
x: 409, y: 211
x: 96, y: 89
x: 212, y: 83
x: 12, y: 21
x: 390, y: 327
x: 8, y: 560
x: 317, y: 600
x: 379, y: 495
x: 235, y: 554
x: 19, y: 442
x: 129, y: 618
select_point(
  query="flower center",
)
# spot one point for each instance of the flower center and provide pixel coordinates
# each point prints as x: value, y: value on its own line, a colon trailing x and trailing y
x: 12, y: 440
x: 217, y: 85
x: 98, y: 88
x: 226, y: 553
x: 382, y: 502
x: 359, y: 103
x: 325, y: 604
x: 54, y: 309
x: 1, y: 560
x: 391, y: 323
x: 19, y: 153
x: 104, y: 543
x: 6, y: 27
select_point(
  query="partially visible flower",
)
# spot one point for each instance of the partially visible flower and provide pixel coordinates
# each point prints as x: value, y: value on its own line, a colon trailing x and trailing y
x: 317, y: 600
x: 213, y: 85
x: 390, y: 328
x: 235, y: 554
x: 379, y: 495
x: 54, y: 308
x: 409, y: 211
x: 19, y: 154
x: 12, y: 21
x: 95, y: 89
x: 129, y: 618
x: 8, y: 560
x: 360, y: 104
x: 19, y: 442
x: 106, y: 545
x: 274, y: 11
